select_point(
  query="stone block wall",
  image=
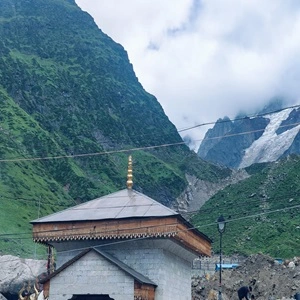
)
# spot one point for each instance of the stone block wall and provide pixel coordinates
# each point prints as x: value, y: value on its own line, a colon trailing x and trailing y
x: 89, y: 275
x: 171, y: 273
x: 165, y: 263
x: 176, y: 278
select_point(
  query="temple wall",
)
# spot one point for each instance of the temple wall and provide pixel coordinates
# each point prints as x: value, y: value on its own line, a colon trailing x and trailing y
x: 171, y: 273
x: 176, y: 278
x: 92, y: 274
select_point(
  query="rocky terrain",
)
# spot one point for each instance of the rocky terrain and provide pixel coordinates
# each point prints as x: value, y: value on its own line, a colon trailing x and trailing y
x: 270, y: 280
x: 16, y: 272
x: 199, y: 191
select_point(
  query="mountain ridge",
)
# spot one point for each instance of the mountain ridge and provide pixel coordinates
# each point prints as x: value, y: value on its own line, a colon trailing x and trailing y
x: 72, y: 110
x: 247, y: 140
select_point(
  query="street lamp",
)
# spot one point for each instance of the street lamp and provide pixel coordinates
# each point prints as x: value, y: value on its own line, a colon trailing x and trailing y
x: 221, y: 229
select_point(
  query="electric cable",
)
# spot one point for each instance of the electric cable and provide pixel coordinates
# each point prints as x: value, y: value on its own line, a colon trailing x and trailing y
x: 188, y: 229
x: 239, y: 118
x: 155, y: 226
x: 129, y: 150
x: 284, y: 209
x: 147, y: 147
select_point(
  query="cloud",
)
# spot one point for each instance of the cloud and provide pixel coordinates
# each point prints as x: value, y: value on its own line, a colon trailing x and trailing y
x: 204, y: 59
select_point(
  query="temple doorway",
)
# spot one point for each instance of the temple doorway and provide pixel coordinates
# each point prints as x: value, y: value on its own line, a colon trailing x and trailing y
x: 91, y: 297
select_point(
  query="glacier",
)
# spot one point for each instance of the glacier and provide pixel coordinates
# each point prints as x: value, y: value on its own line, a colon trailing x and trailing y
x: 270, y: 146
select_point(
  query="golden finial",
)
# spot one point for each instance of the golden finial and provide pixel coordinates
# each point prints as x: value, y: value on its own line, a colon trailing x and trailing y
x: 129, y: 174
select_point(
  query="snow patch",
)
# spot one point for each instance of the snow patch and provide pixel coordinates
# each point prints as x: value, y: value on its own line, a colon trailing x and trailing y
x: 270, y: 146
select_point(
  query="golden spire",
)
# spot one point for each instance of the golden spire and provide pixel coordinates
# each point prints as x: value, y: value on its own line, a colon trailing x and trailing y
x: 129, y: 174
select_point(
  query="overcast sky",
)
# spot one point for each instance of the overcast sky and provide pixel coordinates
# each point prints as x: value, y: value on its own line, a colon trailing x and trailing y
x: 204, y: 59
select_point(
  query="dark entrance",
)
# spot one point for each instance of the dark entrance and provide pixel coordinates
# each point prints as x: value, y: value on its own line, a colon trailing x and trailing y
x: 91, y: 297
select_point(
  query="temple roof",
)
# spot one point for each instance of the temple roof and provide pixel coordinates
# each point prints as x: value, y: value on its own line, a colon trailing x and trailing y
x: 126, y: 215
x: 123, y: 204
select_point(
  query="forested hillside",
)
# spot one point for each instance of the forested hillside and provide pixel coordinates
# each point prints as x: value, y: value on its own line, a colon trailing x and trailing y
x: 71, y: 111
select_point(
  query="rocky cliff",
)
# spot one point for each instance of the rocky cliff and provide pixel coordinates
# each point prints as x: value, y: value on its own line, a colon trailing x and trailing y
x: 248, y: 140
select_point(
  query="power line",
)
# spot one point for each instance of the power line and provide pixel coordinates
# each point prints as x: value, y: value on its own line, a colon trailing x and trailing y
x: 170, y: 144
x: 36, y: 201
x: 142, y: 148
x: 247, y: 132
x: 91, y: 154
x: 161, y: 145
x: 284, y: 209
x: 188, y: 229
x: 131, y: 149
x: 254, y: 202
x: 203, y: 212
x: 257, y: 202
x: 241, y: 204
x: 238, y: 119
x: 155, y: 226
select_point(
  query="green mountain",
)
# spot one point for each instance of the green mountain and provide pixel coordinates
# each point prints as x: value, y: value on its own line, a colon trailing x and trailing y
x: 262, y: 211
x: 71, y: 111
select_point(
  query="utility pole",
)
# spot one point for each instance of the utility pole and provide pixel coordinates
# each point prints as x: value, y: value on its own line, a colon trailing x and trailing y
x: 221, y: 229
x: 39, y: 207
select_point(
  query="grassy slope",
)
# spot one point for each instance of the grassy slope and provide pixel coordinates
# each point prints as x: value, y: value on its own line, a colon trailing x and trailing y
x: 66, y: 88
x: 27, y: 189
x: 254, y: 224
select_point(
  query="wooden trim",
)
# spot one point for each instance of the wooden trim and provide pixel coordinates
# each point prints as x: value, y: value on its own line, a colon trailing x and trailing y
x: 143, y: 291
x: 167, y: 227
x: 192, y: 240
x: 127, y: 228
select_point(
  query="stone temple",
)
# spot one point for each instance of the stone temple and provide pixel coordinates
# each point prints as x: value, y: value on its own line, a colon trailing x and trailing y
x: 121, y: 246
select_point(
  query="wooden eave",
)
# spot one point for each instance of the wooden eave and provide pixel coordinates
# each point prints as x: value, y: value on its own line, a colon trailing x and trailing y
x: 174, y: 227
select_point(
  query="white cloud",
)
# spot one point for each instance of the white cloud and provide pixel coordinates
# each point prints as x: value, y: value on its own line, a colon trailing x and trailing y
x: 206, y: 59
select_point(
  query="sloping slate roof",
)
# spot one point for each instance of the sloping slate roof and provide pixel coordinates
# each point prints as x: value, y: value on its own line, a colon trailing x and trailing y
x: 136, y: 275
x: 126, y: 203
